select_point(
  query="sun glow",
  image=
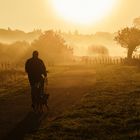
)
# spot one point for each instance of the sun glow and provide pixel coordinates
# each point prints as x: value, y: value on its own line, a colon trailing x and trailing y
x: 83, y: 11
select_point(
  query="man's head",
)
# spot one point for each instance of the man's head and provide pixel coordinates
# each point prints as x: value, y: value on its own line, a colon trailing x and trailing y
x: 35, y: 54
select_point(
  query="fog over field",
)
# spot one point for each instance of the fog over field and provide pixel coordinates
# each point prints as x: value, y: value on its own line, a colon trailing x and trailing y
x: 70, y: 70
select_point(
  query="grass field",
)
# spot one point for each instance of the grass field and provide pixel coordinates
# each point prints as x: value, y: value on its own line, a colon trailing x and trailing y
x: 110, y: 110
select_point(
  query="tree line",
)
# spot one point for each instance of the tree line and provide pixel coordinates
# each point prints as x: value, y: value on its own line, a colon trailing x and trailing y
x: 51, y: 46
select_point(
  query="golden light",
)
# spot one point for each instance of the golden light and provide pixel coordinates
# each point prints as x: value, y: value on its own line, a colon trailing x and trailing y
x: 83, y: 11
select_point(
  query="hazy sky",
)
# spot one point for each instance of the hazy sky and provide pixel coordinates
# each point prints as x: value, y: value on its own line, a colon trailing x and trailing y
x: 29, y: 14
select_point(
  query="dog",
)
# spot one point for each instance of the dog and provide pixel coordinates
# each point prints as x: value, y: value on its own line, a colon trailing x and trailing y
x: 41, y: 103
x: 41, y: 100
x: 44, y: 101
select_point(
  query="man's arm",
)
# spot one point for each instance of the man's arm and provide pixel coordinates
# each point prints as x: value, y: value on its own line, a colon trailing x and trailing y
x: 26, y: 66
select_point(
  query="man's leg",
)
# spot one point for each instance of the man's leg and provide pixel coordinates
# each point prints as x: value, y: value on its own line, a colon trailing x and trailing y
x: 33, y: 97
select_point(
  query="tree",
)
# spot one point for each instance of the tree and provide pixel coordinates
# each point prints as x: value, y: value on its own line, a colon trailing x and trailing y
x: 98, y: 50
x: 136, y: 22
x: 129, y: 38
x: 53, y: 47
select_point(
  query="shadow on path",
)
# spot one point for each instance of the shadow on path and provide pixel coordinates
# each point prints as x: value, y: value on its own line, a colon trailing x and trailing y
x: 28, y: 125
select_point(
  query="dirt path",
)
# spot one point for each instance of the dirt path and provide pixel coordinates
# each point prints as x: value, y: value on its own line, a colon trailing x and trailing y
x: 66, y: 88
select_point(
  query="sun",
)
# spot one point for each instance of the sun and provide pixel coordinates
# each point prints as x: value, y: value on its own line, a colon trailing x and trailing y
x: 83, y: 11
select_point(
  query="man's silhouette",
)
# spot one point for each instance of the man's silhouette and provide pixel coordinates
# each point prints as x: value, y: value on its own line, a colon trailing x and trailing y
x: 36, y: 71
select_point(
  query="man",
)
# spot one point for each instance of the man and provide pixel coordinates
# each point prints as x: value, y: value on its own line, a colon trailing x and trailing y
x: 36, y: 71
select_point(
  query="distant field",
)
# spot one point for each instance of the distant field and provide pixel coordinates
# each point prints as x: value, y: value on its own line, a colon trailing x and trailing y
x: 109, y: 111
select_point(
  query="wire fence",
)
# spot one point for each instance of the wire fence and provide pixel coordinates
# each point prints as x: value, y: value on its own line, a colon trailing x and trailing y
x: 106, y: 60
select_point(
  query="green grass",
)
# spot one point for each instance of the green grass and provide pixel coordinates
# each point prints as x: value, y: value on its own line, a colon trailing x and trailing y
x: 109, y: 111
